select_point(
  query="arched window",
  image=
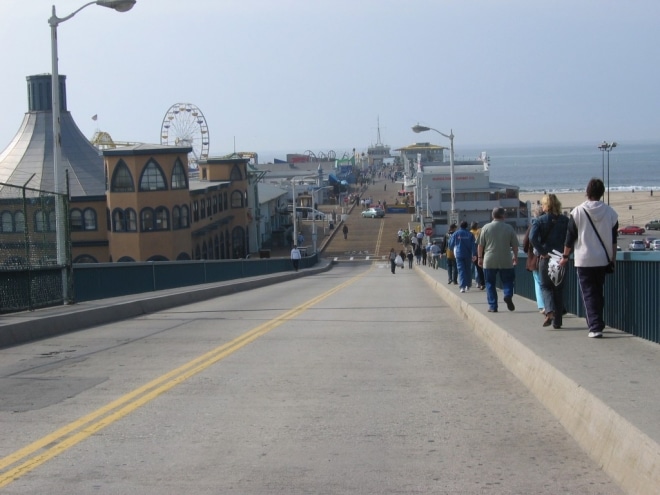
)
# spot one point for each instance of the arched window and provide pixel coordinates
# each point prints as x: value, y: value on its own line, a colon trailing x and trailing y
x: 122, y: 180
x: 125, y: 259
x: 216, y: 248
x: 237, y: 199
x: 89, y: 216
x: 224, y: 201
x: 215, y: 203
x: 147, y: 223
x: 40, y: 221
x: 179, y: 176
x: 198, y: 254
x: 158, y: 257
x: 130, y: 219
x: 176, y: 218
x: 185, y: 217
x: 19, y: 221
x: 7, y: 222
x: 238, y: 242
x: 235, y: 174
x: 209, y: 212
x: 162, y: 218
x: 85, y: 258
x: 183, y: 257
x: 223, y: 254
x: 76, y: 219
x: 152, y: 178
x: 118, y: 220
x: 195, y: 209
x: 205, y: 253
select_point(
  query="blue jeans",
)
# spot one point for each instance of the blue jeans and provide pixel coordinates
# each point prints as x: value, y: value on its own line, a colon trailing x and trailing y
x: 464, y: 266
x: 507, y: 277
x: 537, y: 289
x: 452, y: 270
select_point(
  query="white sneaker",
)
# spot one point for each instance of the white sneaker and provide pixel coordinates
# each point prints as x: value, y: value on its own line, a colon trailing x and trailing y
x: 595, y: 335
x: 462, y: 289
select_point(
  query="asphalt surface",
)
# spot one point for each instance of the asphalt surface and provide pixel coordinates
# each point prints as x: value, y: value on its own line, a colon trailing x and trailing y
x: 368, y: 383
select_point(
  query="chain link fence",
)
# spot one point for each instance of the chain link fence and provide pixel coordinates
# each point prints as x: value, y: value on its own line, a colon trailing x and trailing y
x: 35, y: 265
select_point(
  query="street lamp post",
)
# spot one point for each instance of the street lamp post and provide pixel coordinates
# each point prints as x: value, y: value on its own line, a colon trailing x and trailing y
x: 58, y: 179
x: 420, y: 128
x: 607, y: 147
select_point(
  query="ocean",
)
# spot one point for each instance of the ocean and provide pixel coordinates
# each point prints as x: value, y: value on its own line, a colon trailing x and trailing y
x: 567, y: 168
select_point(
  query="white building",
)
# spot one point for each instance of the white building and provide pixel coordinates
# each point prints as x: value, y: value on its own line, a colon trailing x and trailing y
x: 428, y: 178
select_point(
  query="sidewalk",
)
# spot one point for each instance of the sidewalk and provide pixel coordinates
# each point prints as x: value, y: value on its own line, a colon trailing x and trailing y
x: 603, y: 391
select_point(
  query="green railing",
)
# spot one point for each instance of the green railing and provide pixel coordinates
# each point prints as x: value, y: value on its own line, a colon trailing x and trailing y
x: 631, y: 294
x: 102, y: 280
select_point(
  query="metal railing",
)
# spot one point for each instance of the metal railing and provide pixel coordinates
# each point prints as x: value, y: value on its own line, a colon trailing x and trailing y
x: 631, y: 293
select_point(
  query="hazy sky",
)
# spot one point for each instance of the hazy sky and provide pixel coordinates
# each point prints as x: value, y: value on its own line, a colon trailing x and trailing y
x: 294, y: 75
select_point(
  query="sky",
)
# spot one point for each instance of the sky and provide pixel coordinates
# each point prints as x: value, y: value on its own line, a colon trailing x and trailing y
x: 284, y: 76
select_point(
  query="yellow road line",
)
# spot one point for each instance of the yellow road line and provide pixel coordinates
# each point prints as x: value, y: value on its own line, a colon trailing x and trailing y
x: 77, y: 431
x: 380, y: 236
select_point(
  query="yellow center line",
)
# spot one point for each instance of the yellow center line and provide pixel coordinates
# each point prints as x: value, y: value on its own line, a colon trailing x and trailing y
x: 380, y: 236
x: 80, y: 429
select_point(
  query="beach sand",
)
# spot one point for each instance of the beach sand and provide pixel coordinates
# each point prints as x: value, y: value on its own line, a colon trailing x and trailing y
x: 633, y: 208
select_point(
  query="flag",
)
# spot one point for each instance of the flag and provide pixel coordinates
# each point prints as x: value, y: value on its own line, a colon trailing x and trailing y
x: 95, y: 117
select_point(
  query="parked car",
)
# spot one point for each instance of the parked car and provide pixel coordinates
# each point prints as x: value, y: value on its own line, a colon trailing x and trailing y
x: 636, y: 246
x: 373, y: 213
x: 648, y: 241
x: 655, y: 245
x: 632, y: 229
x: 653, y: 225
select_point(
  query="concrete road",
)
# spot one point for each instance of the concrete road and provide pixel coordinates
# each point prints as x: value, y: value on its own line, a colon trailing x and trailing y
x: 353, y: 381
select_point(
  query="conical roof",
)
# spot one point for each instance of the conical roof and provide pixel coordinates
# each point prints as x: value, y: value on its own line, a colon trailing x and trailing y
x: 30, y: 153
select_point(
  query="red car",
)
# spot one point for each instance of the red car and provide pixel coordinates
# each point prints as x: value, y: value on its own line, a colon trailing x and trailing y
x: 632, y: 229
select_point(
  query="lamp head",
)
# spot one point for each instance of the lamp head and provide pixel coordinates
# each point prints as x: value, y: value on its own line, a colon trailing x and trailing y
x: 118, y: 5
x: 613, y: 145
x: 420, y: 128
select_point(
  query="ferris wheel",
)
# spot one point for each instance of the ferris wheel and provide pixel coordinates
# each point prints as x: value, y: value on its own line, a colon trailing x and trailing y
x: 184, y: 125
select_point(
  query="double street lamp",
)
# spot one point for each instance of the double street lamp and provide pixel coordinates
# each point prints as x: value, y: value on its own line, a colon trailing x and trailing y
x: 420, y: 128
x: 58, y: 179
x: 603, y: 147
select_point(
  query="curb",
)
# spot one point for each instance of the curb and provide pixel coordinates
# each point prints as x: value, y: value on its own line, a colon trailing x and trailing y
x: 624, y: 452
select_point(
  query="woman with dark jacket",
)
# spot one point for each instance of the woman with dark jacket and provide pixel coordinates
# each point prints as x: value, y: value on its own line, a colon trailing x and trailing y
x: 548, y: 233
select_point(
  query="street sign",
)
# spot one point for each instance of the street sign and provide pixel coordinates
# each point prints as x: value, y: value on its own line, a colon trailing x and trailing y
x: 428, y: 231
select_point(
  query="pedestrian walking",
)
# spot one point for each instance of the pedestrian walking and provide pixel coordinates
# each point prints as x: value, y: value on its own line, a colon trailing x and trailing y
x: 464, y: 249
x: 479, y: 272
x: 452, y: 271
x: 410, y: 257
x: 497, y: 253
x: 548, y: 234
x: 592, y: 235
x: 295, y: 257
x: 345, y: 231
x: 532, y: 263
x: 392, y: 258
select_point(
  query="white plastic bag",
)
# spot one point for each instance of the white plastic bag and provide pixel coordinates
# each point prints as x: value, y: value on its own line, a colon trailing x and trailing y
x: 398, y: 261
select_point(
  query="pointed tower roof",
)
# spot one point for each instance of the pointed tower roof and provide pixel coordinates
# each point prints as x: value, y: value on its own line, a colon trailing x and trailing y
x: 30, y: 153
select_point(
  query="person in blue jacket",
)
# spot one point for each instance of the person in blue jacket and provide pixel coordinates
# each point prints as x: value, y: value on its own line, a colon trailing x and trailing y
x: 465, y: 250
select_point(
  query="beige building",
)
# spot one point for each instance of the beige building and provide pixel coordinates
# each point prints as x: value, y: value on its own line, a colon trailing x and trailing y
x: 135, y: 203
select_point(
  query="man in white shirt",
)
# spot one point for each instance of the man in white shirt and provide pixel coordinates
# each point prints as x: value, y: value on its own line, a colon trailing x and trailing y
x: 295, y: 257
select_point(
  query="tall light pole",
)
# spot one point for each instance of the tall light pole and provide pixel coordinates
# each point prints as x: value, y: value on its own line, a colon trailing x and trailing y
x: 607, y: 147
x: 453, y: 218
x: 58, y: 179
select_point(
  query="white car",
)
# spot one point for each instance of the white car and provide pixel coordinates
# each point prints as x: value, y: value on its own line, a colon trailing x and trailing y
x: 637, y: 246
x: 655, y: 245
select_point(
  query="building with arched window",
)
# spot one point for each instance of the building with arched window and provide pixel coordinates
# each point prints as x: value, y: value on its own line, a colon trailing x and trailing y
x: 134, y: 203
